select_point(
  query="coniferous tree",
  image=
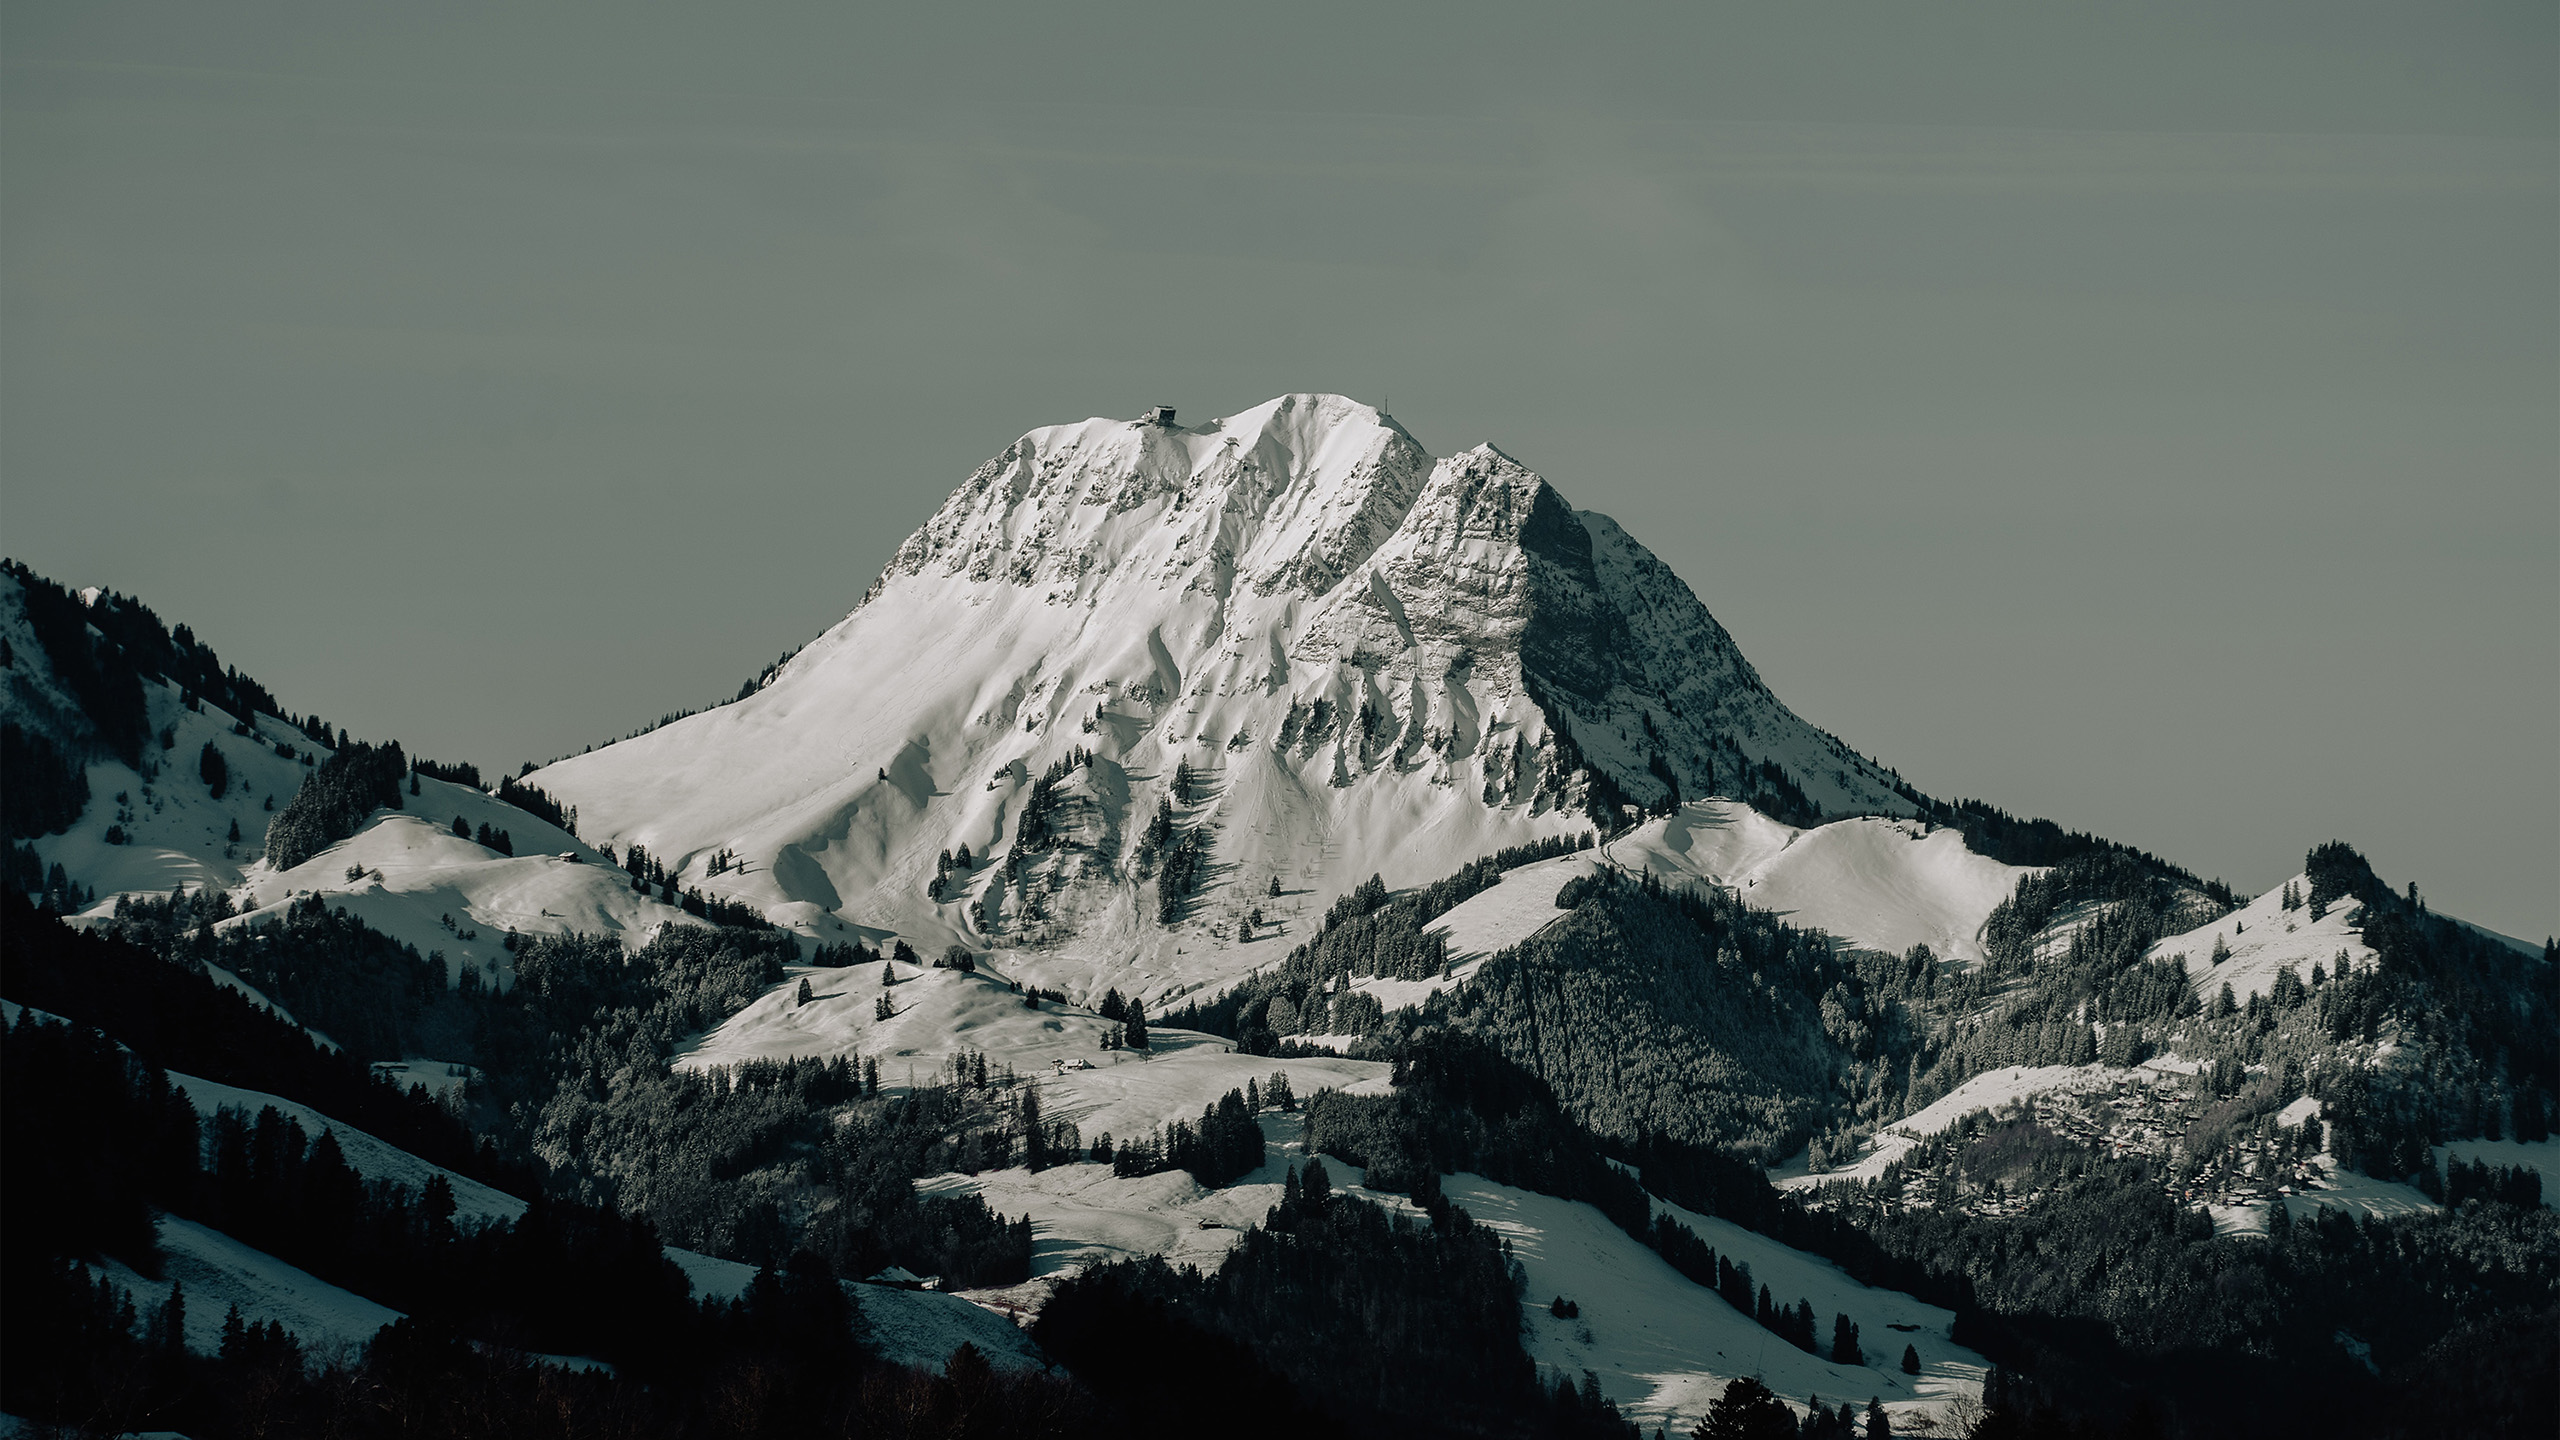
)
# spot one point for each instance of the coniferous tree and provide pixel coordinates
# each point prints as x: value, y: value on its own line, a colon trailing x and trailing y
x: 1879, y: 1425
x: 1910, y: 1359
x: 1844, y: 1342
x: 1275, y: 887
x: 2532, y: 1121
x: 1133, y: 1029
x: 1035, y: 1137
x: 1746, y: 1411
x: 215, y: 770
x: 806, y: 995
x: 333, y: 802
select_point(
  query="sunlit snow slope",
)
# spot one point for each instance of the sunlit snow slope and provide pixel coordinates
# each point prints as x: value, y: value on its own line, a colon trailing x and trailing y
x: 1882, y: 884
x: 2264, y: 939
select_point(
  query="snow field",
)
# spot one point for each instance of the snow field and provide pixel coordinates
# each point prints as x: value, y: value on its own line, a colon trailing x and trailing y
x: 1083, y: 1215
x: 1664, y: 1347
x: 1134, y: 1096
x: 939, y: 1014
x: 219, y: 1272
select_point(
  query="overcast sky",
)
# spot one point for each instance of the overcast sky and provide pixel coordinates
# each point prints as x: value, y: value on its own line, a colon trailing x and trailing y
x: 2139, y: 415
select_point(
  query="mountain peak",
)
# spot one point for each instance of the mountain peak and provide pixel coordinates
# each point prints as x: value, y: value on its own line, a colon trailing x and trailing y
x: 1291, y: 493
x: 1370, y: 662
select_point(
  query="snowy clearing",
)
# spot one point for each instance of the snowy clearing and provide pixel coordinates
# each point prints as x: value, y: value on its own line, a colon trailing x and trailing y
x: 2265, y: 939
x: 2542, y: 1157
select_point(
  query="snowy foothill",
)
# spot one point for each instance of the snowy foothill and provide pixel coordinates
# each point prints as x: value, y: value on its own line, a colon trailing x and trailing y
x: 414, y: 880
x: 2265, y: 939
x: 259, y: 998
x: 1877, y: 883
x: 168, y: 829
x: 150, y: 831
x: 1992, y: 1090
x: 908, y: 1327
x: 418, y: 882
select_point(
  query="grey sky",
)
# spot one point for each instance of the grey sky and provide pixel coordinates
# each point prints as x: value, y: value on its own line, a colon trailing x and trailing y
x: 2139, y: 415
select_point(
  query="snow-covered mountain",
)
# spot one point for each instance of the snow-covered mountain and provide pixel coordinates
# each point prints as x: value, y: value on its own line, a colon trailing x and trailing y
x: 1371, y: 661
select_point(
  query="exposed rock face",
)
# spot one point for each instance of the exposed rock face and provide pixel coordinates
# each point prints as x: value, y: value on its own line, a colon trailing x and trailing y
x: 1373, y: 664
